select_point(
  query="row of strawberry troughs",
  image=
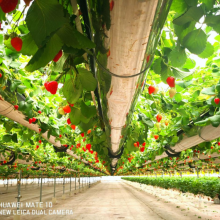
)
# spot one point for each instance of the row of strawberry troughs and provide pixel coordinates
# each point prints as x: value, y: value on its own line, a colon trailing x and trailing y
x: 208, y: 186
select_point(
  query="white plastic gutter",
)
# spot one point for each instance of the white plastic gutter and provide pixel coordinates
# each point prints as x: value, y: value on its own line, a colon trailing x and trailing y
x: 207, y: 133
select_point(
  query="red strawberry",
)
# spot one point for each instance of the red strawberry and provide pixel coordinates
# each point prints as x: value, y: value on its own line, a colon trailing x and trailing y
x: 84, y: 139
x: 151, y: 89
x: 16, y: 43
x: 218, y: 143
x: 68, y: 121
x: 144, y: 144
x: 159, y: 117
x: 111, y: 5
x: 156, y: 137
x: 82, y: 134
x: 217, y: 100
x: 58, y: 56
x: 148, y: 58
x: 34, y: 119
x: 88, y: 147
x: 30, y: 120
x: 73, y: 127
x: 67, y: 109
x: 60, y: 135
x: 135, y: 144
x: 142, y: 149
x: 78, y: 145
x: 39, y: 112
x: 37, y: 146
x: 52, y: 87
x: 39, y: 130
x: 89, y: 131
x: 138, y: 144
x: 16, y: 107
x: 8, y: 5
x: 171, y: 81
x: 40, y: 141
x: 0, y: 75
x: 108, y: 53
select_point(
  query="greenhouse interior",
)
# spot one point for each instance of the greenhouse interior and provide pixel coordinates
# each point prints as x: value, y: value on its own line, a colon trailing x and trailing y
x: 109, y: 109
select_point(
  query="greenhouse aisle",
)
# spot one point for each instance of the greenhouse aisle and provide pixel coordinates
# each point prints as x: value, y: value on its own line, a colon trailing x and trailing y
x: 117, y: 200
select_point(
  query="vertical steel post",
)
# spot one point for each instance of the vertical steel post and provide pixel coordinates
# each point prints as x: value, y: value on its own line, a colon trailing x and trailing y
x: 75, y: 181
x: 54, y: 188
x: 41, y: 181
x: 19, y: 191
x: 70, y: 185
x: 63, y: 185
x: 79, y: 182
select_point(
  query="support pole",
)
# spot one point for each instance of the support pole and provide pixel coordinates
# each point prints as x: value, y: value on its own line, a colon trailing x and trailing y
x: 63, y: 196
x: 79, y: 182
x: 75, y: 181
x: 197, y: 171
x: 70, y: 186
x: 41, y: 181
x: 54, y: 191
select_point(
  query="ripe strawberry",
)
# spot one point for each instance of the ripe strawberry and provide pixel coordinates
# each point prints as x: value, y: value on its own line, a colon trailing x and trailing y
x: 60, y: 135
x: 151, y: 89
x: 8, y: 5
x: 156, y: 136
x: 144, y: 144
x: 148, y: 58
x: 84, y: 139
x: 39, y: 112
x: 112, y: 5
x: 135, y: 144
x: 51, y: 87
x: 58, y: 56
x: 88, y: 147
x: 172, y: 93
x: 34, y: 119
x: 67, y: 109
x: 68, y: 121
x: 142, y: 149
x: 82, y: 134
x: 16, y: 107
x: 30, y: 120
x: 216, y: 100
x: 73, y: 127
x: 40, y: 141
x: 17, y: 43
x: 171, y: 81
x: 0, y: 75
x: 138, y: 144
x: 39, y: 130
x: 218, y: 143
x: 80, y: 13
x: 89, y: 131
x: 78, y: 145
x: 27, y: 2
x: 108, y: 53
x: 37, y: 146
x: 212, y: 147
x: 159, y: 117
